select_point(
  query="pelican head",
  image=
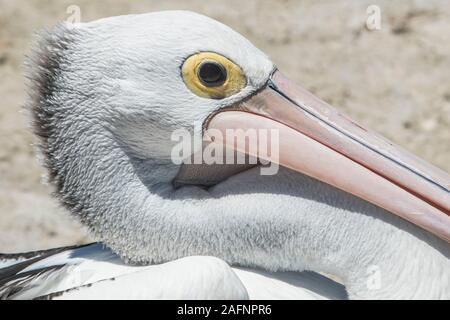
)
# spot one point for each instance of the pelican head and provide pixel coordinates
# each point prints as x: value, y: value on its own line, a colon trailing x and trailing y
x: 106, y: 97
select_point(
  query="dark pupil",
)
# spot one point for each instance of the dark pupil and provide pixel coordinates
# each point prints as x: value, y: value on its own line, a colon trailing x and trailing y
x: 211, y: 73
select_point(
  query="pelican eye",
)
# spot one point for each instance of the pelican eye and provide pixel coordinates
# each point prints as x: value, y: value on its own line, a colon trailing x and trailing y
x: 210, y: 75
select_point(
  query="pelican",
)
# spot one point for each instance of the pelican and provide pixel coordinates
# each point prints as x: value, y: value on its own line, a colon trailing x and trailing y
x: 347, y: 215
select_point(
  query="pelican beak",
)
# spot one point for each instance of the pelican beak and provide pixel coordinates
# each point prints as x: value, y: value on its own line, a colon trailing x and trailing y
x: 316, y: 140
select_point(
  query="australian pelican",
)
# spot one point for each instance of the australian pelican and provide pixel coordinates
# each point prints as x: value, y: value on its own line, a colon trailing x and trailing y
x: 106, y: 97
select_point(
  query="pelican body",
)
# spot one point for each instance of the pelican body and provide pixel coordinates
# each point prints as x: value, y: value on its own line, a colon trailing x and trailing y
x: 105, y: 98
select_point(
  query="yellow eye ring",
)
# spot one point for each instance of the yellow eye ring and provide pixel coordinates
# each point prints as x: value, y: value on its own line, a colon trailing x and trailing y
x: 210, y: 75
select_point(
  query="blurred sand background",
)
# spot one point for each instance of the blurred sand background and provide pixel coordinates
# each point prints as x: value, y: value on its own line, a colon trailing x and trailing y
x: 395, y: 80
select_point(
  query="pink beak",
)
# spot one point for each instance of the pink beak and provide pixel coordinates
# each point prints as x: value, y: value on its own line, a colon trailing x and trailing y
x: 316, y: 140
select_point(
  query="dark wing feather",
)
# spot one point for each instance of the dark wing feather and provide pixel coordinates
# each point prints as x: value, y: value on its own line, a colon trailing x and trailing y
x: 34, y: 254
x: 18, y: 283
x: 12, y: 278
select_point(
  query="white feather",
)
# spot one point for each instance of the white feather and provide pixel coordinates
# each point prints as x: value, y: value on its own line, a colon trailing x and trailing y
x: 94, y: 272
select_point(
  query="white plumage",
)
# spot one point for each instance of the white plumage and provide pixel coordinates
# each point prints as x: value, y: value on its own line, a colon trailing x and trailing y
x: 95, y: 272
x: 105, y: 97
